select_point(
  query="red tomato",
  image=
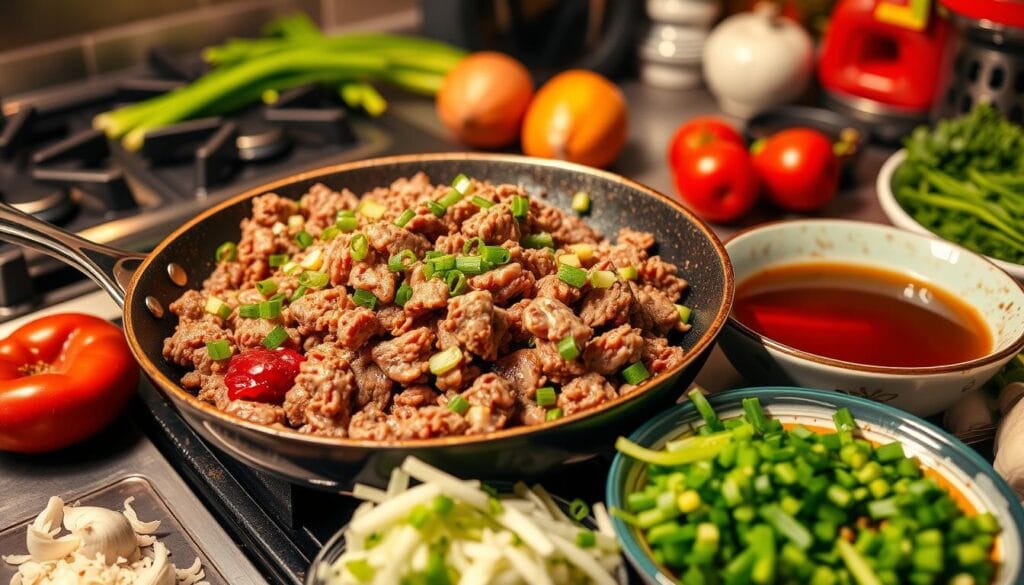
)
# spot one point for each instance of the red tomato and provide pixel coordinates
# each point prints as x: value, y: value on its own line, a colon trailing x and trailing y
x: 262, y: 375
x: 798, y: 169
x: 62, y: 379
x: 717, y: 181
x: 696, y: 133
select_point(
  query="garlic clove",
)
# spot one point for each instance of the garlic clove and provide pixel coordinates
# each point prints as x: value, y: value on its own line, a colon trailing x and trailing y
x: 102, y: 531
x: 40, y: 540
x: 971, y: 412
x: 1009, y: 449
x: 133, y: 519
x: 1010, y: 395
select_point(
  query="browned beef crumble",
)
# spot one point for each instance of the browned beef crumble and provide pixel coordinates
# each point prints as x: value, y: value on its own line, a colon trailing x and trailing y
x: 366, y: 371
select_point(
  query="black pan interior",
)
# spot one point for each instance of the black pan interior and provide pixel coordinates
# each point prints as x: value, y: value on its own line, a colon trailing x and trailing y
x: 681, y: 239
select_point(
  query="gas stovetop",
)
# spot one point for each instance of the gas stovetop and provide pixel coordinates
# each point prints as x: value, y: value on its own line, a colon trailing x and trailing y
x: 55, y: 166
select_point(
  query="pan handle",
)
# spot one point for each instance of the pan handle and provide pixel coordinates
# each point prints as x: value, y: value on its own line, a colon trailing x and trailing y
x: 111, y: 268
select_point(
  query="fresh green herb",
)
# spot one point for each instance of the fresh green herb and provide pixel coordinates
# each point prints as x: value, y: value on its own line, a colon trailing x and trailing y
x: 473, y: 246
x: 436, y: 208
x: 303, y: 239
x: 270, y: 308
x: 469, y: 264
x: 405, y: 218
x: 567, y: 348
x: 553, y: 414
x: 276, y: 260
x: 496, y: 255
x: 276, y: 337
x: 403, y: 294
x: 458, y: 405
x: 359, y: 247
x: 635, y: 373
x: 538, y: 240
x: 251, y: 311
x: 571, y: 275
x: 545, y: 396
x: 218, y: 350
x: 401, y: 261
x: 481, y: 202
x: 581, y: 202
x: 450, y: 198
x: 364, y: 298
x: 456, y: 282
x: 226, y: 252
x: 313, y: 279
x: 520, y: 207
x: 347, y: 224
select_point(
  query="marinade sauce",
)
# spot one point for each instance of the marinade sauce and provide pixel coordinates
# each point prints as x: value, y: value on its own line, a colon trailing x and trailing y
x: 861, y: 314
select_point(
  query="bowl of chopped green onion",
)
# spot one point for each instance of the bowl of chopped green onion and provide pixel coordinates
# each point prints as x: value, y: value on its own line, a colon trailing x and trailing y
x: 791, y: 485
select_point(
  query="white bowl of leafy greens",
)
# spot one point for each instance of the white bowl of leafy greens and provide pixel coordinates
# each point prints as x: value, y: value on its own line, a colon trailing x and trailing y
x: 962, y: 180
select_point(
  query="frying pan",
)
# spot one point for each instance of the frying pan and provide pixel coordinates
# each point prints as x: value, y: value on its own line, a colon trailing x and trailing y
x: 146, y: 285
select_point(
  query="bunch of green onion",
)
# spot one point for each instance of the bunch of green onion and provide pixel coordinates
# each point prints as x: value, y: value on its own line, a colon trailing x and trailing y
x: 746, y: 501
x: 293, y: 54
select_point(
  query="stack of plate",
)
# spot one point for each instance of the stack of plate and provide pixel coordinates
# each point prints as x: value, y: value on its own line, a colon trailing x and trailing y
x: 670, y: 52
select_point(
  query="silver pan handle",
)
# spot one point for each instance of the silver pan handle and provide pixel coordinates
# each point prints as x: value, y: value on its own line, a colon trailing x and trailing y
x: 111, y: 268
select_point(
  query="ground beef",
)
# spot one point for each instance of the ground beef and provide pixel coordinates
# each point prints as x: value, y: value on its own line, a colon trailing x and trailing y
x: 505, y: 282
x: 490, y: 404
x: 323, y: 394
x: 404, y: 358
x: 375, y: 278
x: 659, y: 356
x: 658, y: 275
x: 321, y: 205
x: 584, y: 393
x: 427, y: 296
x: 552, y: 287
x: 494, y: 225
x: 611, y: 351
x: 607, y: 306
x: 366, y: 371
x: 471, y: 322
x: 521, y: 369
x: 551, y: 320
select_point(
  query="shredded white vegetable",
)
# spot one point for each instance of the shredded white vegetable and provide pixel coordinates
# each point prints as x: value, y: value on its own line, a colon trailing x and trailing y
x: 446, y: 524
x: 370, y: 493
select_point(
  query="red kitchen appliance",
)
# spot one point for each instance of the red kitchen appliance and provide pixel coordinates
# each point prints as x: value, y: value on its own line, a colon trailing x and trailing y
x: 882, y: 70
x: 989, y: 63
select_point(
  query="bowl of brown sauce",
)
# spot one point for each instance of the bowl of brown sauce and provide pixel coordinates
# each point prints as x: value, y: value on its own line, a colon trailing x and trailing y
x: 869, y: 310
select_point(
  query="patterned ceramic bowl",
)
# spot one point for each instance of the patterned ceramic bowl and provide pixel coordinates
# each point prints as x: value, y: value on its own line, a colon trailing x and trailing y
x: 966, y: 472
x: 924, y: 391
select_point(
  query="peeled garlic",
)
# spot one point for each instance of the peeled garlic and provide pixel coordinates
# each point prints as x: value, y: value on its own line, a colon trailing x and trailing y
x: 1009, y: 449
x: 160, y: 572
x: 41, y: 539
x: 102, y: 531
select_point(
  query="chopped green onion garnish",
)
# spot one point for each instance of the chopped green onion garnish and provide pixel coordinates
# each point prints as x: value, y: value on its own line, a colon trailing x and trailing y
x: 545, y: 396
x: 538, y: 240
x: 578, y: 509
x: 684, y: 313
x: 470, y: 264
x: 330, y: 233
x: 481, y: 202
x: 364, y: 298
x: 707, y: 412
x: 436, y: 208
x: 359, y: 247
x: 553, y: 414
x: 635, y: 373
x: 450, y: 198
x: 347, y: 224
x: 218, y: 350
x: 303, y: 239
x: 401, y: 260
x: 442, y: 263
x: 226, y: 252
x: 586, y: 539
x: 581, y: 202
x: 275, y: 338
x: 271, y: 308
x: 403, y: 294
x: 276, y: 260
x: 361, y: 570
x: 405, y: 218
x: 458, y: 405
x: 628, y: 273
x: 495, y: 255
x: 266, y: 286
x: 313, y: 279
x: 462, y: 184
x: 844, y: 420
x: 249, y: 311
x: 444, y: 361
x: 456, y: 282
x: 602, y: 279
x: 215, y: 306
x: 301, y: 290
x: 473, y: 246
x: 519, y: 207
x: 428, y: 270
x: 344, y: 213
x: 370, y: 208
x: 572, y: 275
x: 567, y: 348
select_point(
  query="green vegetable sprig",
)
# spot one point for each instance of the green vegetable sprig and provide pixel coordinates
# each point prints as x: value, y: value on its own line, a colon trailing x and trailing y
x: 247, y: 70
x: 964, y: 180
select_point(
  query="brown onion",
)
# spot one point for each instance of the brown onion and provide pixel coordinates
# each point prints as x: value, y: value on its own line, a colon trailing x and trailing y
x: 483, y: 99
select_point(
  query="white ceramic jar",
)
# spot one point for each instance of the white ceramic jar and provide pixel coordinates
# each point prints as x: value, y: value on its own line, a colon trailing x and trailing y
x: 757, y: 60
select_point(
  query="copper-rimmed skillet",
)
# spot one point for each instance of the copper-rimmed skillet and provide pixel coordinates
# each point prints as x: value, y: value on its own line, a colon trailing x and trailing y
x: 146, y: 285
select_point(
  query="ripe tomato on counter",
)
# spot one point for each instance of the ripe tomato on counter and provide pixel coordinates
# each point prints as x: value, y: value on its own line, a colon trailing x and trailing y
x: 798, y: 168
x: 62, y: 379
x: 717, y: 181
x: 698, y: 132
